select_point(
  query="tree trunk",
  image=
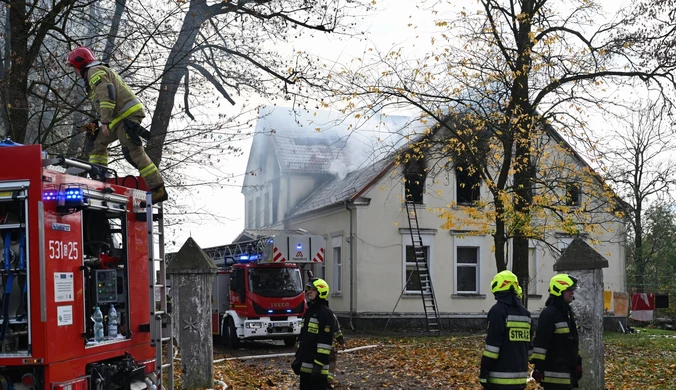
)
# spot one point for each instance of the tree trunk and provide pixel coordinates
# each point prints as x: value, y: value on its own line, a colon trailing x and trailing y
x: 17, y: 77
x: 174, y: 71
x: 638, y: 249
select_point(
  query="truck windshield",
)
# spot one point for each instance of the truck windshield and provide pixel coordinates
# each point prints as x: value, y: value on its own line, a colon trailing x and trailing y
x: 275, y: 282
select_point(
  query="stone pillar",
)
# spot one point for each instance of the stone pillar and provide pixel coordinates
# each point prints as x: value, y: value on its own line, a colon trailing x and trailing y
x: 192, y: 272
x: 582, y: 262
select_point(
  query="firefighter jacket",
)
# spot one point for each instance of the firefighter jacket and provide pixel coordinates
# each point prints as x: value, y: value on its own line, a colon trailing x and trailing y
x: 112, y: 99
x: 556, y: 345
x: 316, y: 337
x: 504, y: 364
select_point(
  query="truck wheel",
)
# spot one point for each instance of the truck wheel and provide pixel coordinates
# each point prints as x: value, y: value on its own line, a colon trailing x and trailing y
x: 289, y: 341
x: 232, y: 339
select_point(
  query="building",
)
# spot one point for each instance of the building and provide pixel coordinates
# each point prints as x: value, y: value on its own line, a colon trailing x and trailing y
x: 295, y: 184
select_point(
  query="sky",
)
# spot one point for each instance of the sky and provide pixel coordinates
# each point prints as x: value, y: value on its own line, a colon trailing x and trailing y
x: 386, y: 28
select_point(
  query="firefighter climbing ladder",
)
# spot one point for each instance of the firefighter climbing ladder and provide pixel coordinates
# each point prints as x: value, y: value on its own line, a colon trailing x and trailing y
x: 432, y: 319
x: 159, y: 317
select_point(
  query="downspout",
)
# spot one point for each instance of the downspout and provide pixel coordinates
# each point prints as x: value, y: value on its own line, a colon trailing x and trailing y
x: 349, y: 241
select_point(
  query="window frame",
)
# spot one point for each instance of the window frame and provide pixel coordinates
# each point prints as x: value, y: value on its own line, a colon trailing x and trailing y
x: 467, y: 242
x: 337, y: 264
x: 475, y: 197
x: 427, y: 236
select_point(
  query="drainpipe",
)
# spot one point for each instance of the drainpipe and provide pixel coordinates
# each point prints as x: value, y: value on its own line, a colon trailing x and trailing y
x: 349, y: 241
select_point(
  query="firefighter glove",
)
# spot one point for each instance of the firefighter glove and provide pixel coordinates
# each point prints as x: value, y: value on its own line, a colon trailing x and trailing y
x: 538, y: 376
x: 295, y: 366
x: 316, y: 370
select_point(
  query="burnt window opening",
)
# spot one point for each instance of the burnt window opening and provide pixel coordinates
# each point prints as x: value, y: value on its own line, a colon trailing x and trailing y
x: 573, y: 194
x: 467, y: 184
x: 533, y: 180
x: 414, y: 183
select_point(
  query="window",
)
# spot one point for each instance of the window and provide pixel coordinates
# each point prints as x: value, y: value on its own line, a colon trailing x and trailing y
x: 467, y: 264
x: 257, y: 213
x: 467, y: 184
x: 249, y: 213
x: 337, y: 258
x: 414, y: 183
x: 563, y: 242
x: 533, y: 272
x: 573, y: 195
x: 468, y: 269
x: 410, y: 280
x: 266, y: 212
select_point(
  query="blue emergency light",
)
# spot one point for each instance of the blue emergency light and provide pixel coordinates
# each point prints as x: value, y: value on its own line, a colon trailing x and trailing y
x: 248, y: 258
x: 72, y: 197
x: 50, y: 195
x: 299, y: 246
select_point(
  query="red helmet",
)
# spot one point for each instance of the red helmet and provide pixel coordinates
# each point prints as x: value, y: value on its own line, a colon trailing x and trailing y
x: 80, y: 57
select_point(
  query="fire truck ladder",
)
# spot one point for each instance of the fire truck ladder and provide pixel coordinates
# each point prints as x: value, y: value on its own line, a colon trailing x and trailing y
x: 422, y: 267
x: 159, y: 317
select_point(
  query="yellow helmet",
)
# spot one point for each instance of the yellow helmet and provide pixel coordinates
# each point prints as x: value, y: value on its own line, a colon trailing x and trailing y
x: 504, y: 281
x: 320, y: 285
x: 560, y: 283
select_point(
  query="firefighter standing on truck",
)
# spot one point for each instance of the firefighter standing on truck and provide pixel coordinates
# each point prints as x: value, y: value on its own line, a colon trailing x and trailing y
x: 120, y: 114
x: 316, y: 337
x: 504, y: 364
x: 556, y: 355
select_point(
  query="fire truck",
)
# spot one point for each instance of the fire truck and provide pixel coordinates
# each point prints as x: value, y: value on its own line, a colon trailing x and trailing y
x: 258, y: 291
x: 76, y: 242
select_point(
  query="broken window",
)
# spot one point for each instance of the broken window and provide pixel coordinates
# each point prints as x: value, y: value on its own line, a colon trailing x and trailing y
x: 468, y: 183
x: 573, y: 194
x: 414, y: 183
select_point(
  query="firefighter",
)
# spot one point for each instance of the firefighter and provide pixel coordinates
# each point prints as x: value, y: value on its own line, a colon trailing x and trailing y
x: 120, y: 114
x: 333, y: 357
x: 504, y: 364
x: 316, y: 337
x: 556, y: 355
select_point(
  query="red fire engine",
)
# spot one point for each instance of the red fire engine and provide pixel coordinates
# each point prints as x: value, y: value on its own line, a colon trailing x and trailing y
x: 74, y: 245
x: 258, y: 291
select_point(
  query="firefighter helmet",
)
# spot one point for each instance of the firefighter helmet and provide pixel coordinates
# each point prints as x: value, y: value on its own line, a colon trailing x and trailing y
x: 519, y: 291
x: 560, y: 283
x: 320, y: 285
x: 80, y: 58
x: 504, y: 281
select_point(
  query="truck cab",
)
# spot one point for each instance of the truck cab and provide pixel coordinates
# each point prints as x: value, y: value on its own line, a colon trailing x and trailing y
x: 258, y: 291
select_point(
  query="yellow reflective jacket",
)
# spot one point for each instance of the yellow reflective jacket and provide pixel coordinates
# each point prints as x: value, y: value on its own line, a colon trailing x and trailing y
x: 111, y: 97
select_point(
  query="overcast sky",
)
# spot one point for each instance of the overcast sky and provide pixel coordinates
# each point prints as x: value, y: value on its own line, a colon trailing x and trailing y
x: 387, y: 28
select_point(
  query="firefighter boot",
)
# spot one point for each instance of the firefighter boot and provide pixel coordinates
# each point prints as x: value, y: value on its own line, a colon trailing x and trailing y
x: 159, y: 194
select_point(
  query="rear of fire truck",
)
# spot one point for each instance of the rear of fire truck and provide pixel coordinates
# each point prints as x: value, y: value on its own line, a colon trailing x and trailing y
x: 258, y: 291
x: 72, y: 248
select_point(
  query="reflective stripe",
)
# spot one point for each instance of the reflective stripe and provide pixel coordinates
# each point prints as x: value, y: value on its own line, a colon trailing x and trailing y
x: 96, y: 77
x: 562, y: 331
x: 561, y: 328
x: 109, y: 105
x: 98, y: 159
x: 558, y: 381
x: 518, y: 318
x: 324, y: 351
x: 507, y: 378
x: 149, y: 170
x: 501, y: 381
x: 314, y: 320
x: 561, y: 324
x: 538, y: 356
x: 555, y: 374
x: 516, y: 324
x: 491, y: 355
x: 127, y: 110
x: 492, y: 348
x: 507, y: 374
x: 307, y: 365
x: 539, y: 350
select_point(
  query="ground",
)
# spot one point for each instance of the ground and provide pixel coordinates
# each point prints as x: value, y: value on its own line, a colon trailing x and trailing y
x: 646, y: 360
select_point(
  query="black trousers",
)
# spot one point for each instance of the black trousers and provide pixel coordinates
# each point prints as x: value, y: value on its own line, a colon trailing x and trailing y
x: 309, y: 382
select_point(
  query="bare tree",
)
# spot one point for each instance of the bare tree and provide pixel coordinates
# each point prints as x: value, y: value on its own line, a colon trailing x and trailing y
x: 643, y: 172
x: 504, y: 76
